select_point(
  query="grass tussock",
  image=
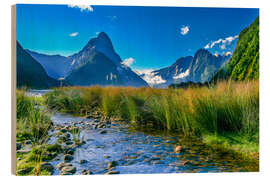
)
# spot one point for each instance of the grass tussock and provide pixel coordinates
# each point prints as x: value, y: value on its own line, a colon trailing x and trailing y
x: 227, y: 107
x: 32, y: 122
x: 32, y: 125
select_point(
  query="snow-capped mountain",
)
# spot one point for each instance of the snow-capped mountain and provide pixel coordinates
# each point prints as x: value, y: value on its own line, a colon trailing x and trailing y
x: 200, y: 68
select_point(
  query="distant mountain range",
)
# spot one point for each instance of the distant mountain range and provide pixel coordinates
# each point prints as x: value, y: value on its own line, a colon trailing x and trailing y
x: 244, y: 64
x: 198, y: 69
x: 98, y: 64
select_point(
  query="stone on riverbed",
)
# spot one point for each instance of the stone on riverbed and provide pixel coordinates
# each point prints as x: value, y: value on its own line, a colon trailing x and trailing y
x: 18, y: 145
x: 69, y: 142
x: 68, y: 170
x: 64, y: 130
x: 177, y: 149
x: 112, y: 164
x: 69, y: 148
x: 83, y: 161
x: 46, y: 166
x: 62, y: 164
x: 103, y: 132
x: 86, y: 172
x: 112, y: 172
x: 28, y: 142
x: 147, y: 160
x: 68, y: 157
x: 70, y: 152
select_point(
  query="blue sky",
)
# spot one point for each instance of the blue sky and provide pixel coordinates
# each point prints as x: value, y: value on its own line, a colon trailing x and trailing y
x: 148, y: 37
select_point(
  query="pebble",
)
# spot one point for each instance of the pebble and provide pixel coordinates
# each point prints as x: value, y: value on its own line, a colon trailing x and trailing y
x: 68, y: 170
x: 46, y: 166
x: 18, y: 145
x: 103, y: 132
x: 62, y: 164
x: 177, y: 149
x: 112, y: 172
x: 112, y: 164
x: 68, y: 157
x: 28, y: 142
x: 83, y: 161
x: 86, y: 172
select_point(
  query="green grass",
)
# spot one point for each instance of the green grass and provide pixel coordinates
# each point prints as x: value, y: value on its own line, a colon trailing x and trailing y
x: 225, y: 108
x: 33, y: 124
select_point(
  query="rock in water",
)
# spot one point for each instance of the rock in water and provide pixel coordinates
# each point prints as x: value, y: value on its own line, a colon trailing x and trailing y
x: 68, y: 170
x: 68, y: 158
x: 29, y: 142
x: 103, y: 132
x: 62, y: 164
x: 83, y: 161
x: 18, y: 145
x: 112, y: 164
x: 46, y: 166
x: 178, y: 149
x: 113, y: 172
x: 185, y: 162
x: 86, y: 172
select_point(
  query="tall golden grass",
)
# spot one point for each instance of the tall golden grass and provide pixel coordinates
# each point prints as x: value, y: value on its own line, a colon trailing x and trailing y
x: 227, y: 106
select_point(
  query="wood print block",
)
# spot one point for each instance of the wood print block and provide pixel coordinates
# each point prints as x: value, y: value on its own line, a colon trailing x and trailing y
x: 134, y: 90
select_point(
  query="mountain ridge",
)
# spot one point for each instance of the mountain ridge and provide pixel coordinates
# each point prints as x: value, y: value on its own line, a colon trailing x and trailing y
x: 97, y: 48
x: 30, y: 72
x: 199, y: 68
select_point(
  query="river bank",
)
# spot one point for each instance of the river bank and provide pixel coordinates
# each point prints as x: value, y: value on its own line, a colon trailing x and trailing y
x: 100, y: 144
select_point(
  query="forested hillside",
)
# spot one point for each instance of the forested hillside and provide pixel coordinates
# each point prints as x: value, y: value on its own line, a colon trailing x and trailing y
x: 244, y: 63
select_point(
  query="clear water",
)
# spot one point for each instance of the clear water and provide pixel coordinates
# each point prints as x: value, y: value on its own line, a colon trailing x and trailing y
x: 138, y: 152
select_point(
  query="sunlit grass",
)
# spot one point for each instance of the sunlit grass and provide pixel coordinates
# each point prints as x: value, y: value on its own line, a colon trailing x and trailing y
x: 227, y: 107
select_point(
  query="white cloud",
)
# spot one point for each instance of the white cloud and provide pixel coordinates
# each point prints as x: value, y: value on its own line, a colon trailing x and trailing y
x: 228, y: 53
x: 184, y: 30
x: 150, y: 76
x: 82, y: 7
x: 74, y: 34
x: 128, y: 61
x: 222, y: 42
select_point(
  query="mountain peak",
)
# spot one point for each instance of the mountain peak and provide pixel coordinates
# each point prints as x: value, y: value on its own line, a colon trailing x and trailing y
x: 102, y: 44
x: 103, y: 35
x: 201, y: 52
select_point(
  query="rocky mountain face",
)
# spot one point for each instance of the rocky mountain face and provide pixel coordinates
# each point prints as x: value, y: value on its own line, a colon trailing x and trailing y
x: 30, y: 73
x: 204, y: 65
x: 244, y: 64
x: 200, y: 68
x: 98, y: 64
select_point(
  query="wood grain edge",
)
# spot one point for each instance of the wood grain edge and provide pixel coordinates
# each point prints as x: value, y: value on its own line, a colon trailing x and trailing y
x: 13, y: 89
